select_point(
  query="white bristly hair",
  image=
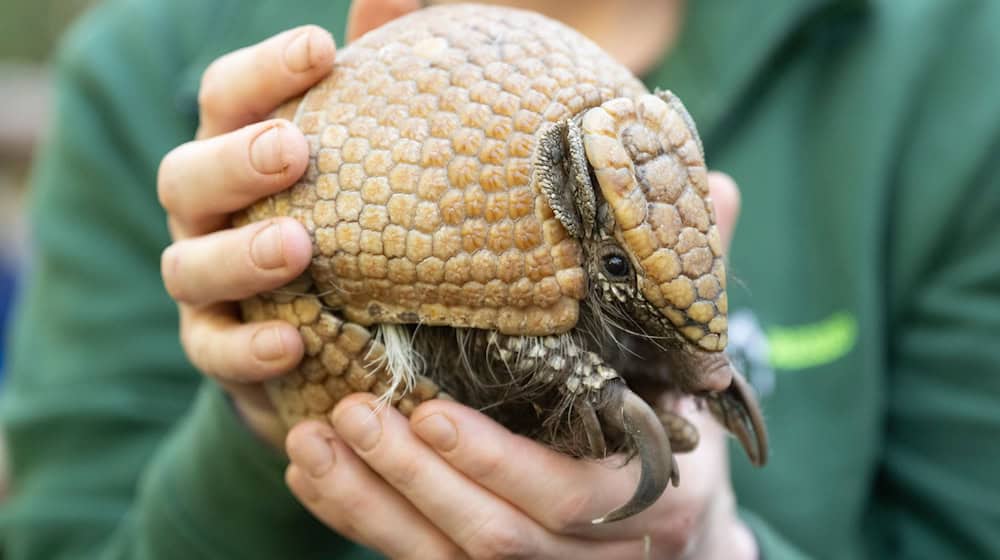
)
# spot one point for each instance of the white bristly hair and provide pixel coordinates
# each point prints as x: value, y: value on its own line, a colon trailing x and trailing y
x: 401, y: 360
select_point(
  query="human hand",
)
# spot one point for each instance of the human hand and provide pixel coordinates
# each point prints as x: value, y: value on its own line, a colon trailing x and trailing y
x: 452, y: 483
x: 233, y: 161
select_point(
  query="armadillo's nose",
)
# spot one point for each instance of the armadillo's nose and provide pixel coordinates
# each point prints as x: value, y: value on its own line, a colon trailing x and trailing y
x: 714, y: 374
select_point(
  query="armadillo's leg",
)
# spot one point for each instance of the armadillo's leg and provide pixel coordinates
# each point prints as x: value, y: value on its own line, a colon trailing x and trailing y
x: 542, y: 364
x: 593, y: 385
x: 738, y: 410
x: 340, y: 358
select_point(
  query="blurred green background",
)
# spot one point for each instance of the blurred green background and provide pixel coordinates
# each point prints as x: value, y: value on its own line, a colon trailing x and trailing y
x: 29, y: 33
x: 30, y: 28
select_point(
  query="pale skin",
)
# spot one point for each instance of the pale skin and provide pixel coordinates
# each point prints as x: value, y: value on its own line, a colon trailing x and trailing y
x: 448, y: 482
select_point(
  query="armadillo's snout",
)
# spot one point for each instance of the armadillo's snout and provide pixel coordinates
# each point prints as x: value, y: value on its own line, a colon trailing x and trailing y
x: 714, y: 376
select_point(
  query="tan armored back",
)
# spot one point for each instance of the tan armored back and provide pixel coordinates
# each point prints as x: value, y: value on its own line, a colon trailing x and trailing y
x: 419, y: 194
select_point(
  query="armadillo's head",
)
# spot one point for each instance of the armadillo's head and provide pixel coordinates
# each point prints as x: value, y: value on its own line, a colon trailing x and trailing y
x: 628, y: 180
x: 632, y: 186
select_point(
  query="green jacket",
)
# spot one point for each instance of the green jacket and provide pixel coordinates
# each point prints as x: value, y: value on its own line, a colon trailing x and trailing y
x: 865, y: 294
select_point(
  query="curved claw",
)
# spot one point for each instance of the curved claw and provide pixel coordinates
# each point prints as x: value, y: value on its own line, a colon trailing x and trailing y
x: 737, y: 408
x: 595, y: 435
x: 629, y: 413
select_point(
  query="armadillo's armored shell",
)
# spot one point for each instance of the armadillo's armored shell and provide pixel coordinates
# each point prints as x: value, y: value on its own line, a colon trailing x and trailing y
x: 650, y: 166
x: 419, y: 193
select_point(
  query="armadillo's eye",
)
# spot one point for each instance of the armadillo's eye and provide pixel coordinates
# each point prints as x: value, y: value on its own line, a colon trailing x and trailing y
x: 615, y: 265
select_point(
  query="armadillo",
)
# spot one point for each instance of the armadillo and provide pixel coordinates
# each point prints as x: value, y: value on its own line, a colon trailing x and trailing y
x: 505, y: 216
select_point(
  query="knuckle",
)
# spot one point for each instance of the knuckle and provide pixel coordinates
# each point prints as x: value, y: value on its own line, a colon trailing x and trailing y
x: 211, y: 91
x: 296, y: 481
x: 166, y: 186
x: 195, y: 342
x: 501, y: 541
x: 355, y: 503
x: 678, y: 533
x: 403, y: 473
x: 486, y: 462
x: 192, y: 348
x: 169, y: 263
x: 207, y: 93
x: 209, y: 100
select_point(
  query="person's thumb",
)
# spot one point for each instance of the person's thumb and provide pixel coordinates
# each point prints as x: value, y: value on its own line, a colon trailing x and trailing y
x: 726, y: 199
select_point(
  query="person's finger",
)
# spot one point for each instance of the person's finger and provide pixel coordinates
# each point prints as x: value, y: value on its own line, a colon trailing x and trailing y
x: 306, y: 492
x: 245, y: 85
x: 482, y: 524
x: 341, y: 491
x: 199, y: 183
x: 726, y: 199
x: 234, y: 264
x: 564, y: 500
x: 383, y: 440
x: 366, y: 15
x: 220, y: 346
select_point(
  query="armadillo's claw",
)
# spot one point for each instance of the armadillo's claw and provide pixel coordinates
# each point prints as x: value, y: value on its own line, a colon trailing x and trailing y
x: 738, y: 410
x: 627, y: 412
x: 592, y: 428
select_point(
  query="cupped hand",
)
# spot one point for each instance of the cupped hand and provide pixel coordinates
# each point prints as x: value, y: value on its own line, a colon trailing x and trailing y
x: 451, y: 483
x: 236, y: 159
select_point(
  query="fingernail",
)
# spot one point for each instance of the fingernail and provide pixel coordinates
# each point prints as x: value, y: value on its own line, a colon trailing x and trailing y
x: 267, y: 345
x: 266, y: 248
x: 265, y: 151
x: 439, y: 431
x: 314, y: 454
x: 298, y: 52
x: 360, y: 426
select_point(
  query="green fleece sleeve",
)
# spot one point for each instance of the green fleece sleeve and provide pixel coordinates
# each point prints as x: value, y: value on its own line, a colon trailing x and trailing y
x: 210, y: 492
x: 116, y: 448
x: 938, y: 495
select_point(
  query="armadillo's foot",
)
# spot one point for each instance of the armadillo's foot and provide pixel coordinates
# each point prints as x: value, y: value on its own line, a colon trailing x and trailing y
x: 738, y: 410
x: 627, y: 412
x: 559, y: 375
x: 682, y: 433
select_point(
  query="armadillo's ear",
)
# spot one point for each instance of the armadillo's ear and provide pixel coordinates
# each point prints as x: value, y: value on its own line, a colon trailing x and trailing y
x: 579, y: 176
x: 674, y: 102
x: 562, y: 174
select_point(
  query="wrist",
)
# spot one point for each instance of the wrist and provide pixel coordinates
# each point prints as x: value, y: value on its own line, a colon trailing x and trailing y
x: 743, y: 544
x: 725, y: 536
x: 730, y: 540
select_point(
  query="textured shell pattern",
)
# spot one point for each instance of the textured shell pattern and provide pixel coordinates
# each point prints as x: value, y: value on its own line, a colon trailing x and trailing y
x: 419, y: 192
x: 650, y: 167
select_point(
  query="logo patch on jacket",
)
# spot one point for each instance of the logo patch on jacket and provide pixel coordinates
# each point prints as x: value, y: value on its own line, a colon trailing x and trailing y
x: 758, y: 352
